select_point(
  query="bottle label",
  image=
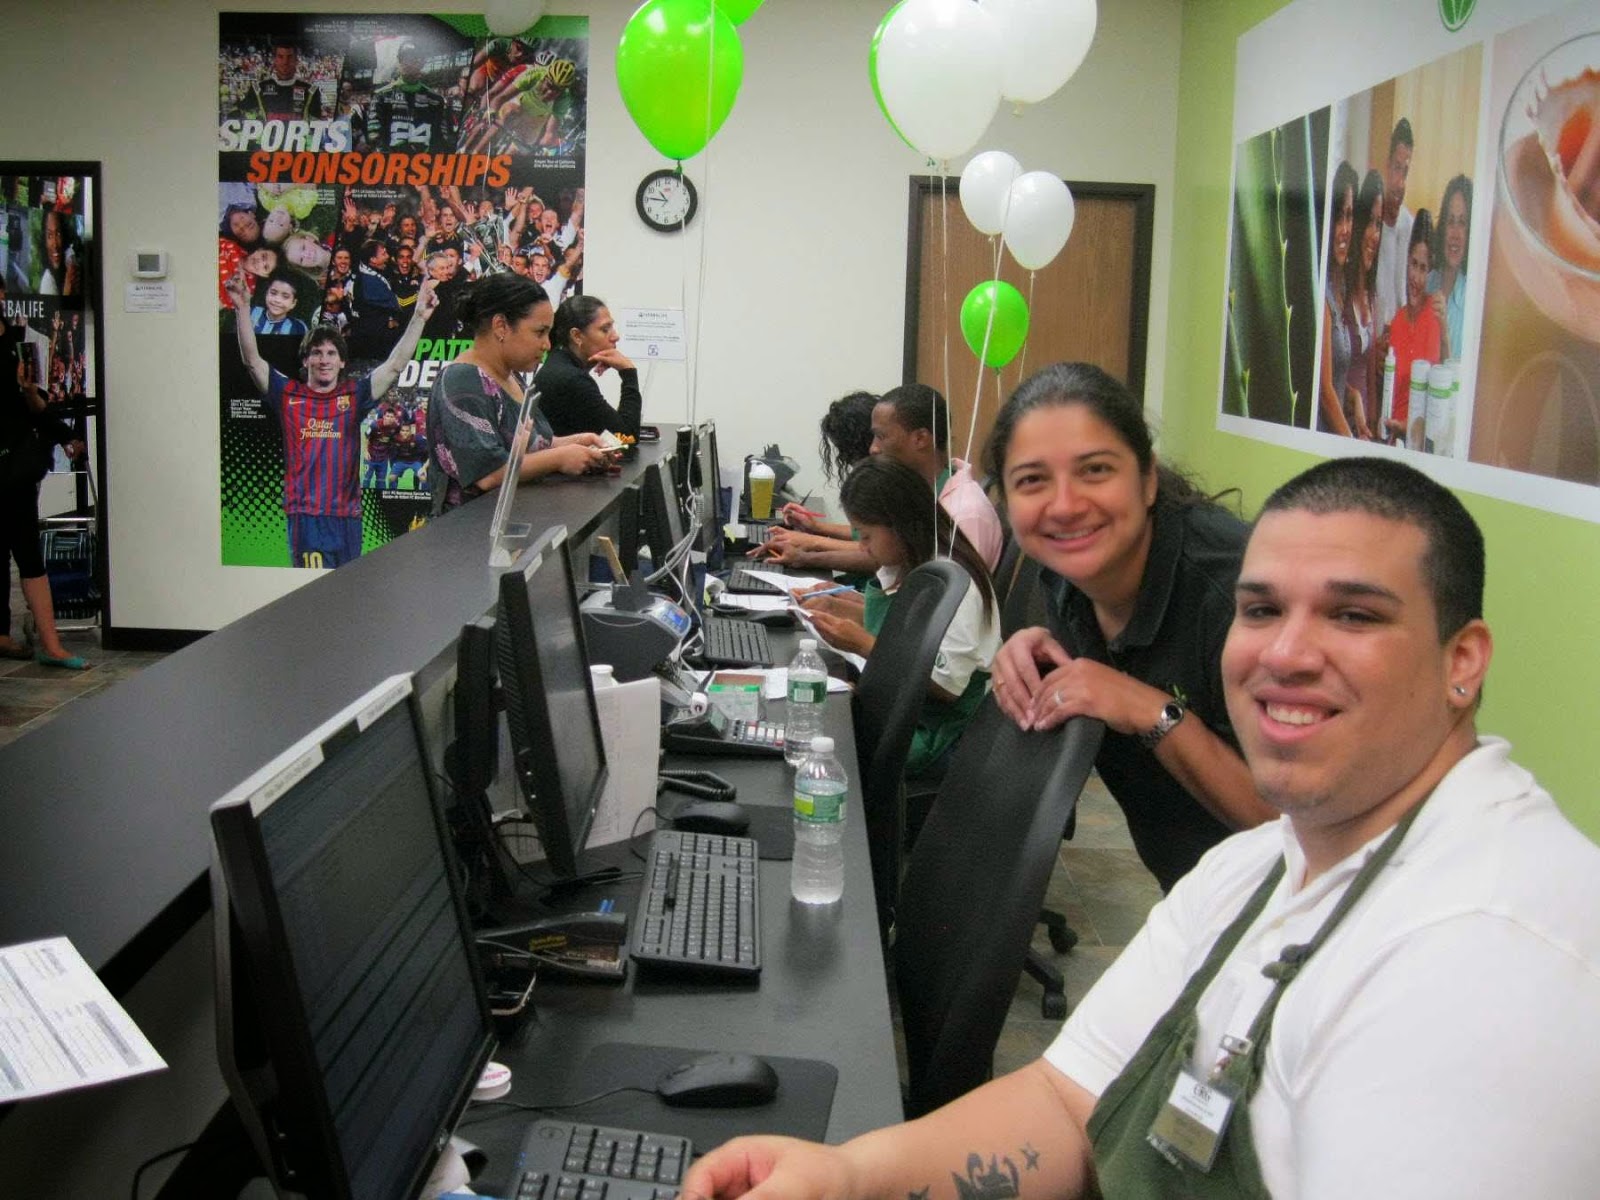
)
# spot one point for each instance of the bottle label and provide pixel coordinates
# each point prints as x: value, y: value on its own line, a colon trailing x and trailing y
x: 808, y: 691
x: 819, y: 808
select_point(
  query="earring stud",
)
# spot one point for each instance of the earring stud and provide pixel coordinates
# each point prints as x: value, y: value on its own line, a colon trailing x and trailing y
x: 1459, y: 690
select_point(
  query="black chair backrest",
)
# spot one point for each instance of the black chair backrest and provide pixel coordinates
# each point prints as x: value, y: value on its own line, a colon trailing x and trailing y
x: 1024, y: 602
x: 888, y: 700
x: 1006, y: 570
x: 972, y: 892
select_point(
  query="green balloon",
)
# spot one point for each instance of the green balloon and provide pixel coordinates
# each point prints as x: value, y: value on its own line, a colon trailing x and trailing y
x: 679, y: 65
x: 739, y: 11
x: 872, y: 72
x: 1010, y: 322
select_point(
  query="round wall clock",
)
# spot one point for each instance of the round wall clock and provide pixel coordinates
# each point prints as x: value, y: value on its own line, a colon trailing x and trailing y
x: 666, y: 200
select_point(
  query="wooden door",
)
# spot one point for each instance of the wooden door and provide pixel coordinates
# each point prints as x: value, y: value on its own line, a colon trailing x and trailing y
x: 1091, y: 304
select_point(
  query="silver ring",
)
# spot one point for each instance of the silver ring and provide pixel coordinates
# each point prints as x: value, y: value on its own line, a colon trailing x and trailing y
x: 1057, y: 698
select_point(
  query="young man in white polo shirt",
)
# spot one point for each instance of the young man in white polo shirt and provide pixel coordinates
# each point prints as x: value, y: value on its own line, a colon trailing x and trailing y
x: 1389, y: 992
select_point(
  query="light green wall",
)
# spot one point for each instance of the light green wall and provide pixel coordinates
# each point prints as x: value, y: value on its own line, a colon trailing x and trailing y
x: 1544, y: 570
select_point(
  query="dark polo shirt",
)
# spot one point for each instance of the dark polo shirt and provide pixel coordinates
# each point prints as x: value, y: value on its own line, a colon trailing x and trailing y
x: 1172, y: 642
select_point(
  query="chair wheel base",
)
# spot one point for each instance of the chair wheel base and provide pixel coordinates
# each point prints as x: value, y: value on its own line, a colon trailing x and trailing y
x: 1053, y: 1006
x: 1062, y: 939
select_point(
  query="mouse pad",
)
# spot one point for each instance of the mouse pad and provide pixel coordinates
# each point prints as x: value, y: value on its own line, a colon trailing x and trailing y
x: 772, y: 827
x: 800, y: 1109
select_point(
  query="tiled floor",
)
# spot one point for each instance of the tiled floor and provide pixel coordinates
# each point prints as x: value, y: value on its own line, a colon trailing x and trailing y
x: 31, y: 694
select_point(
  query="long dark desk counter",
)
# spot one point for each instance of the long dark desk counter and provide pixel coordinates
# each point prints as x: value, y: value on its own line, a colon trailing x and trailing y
x: 103, y: 831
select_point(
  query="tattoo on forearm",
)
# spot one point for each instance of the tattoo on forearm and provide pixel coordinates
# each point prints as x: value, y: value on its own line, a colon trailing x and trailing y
x: 999, y: 1179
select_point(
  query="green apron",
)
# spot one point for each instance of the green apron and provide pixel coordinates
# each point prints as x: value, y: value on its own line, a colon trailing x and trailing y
x: 941, y: 724
x: 1127, y: 1165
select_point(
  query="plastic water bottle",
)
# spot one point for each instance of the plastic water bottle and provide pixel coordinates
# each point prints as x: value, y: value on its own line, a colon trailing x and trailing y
x: 808, y: 692
x: 819, y: 794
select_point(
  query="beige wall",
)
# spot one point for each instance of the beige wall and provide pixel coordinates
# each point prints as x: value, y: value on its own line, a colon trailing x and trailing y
x: 804, y: 221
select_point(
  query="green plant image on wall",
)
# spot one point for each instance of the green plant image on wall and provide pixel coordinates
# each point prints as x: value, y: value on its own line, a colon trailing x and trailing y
x: 1280, y: 178
x: 1454, y: 13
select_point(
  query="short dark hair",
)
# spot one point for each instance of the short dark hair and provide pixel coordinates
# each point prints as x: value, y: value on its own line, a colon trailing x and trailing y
x: 1421, y: 231
x: 1109, y: 400
x: 1453, y: 560
x: 575, y: 313
x: 370, y: 247
x: 501, y: 294
x: 317, y: 335
x: 880, y: 491
x: 918, y: 406
x: 846, y: 433
x: 294, y: 279
x: 1401, y: 136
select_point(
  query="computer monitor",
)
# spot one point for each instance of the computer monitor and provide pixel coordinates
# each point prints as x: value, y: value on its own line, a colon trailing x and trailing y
x: 661, y: 513
x: 472, y: 760
x: 352, y: 1024
x: 708, y: 502
x: 549, y: 699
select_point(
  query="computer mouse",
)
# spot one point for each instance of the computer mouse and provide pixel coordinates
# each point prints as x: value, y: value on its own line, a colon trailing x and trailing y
x: 712, y: 816
x: 719, y: 1081
x: 776, y: 618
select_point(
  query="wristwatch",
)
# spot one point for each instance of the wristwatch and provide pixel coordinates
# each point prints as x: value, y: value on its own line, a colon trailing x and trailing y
x: 1171, y: 713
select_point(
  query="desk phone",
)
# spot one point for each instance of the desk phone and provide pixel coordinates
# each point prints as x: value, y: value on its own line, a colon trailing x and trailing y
x: 712, y: 732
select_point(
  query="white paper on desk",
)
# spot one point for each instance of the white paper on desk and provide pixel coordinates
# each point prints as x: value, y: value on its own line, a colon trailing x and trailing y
x: 784, y: 583
x: 804, y: 618
x: 753, y: 602
x: 59, y: 1026
x: 630, y: 723
x: 775, y: 683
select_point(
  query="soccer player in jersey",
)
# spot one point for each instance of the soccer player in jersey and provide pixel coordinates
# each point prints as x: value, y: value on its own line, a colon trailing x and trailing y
x: 321, y: 421
x: 407, y: 114
x: 282, y: 95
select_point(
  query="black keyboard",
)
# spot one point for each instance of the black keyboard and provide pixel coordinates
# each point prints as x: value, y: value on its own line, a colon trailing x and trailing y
x: 741, y: 581
x: 699, y: 905
x: 730, y: 642
x: 562, y: 1160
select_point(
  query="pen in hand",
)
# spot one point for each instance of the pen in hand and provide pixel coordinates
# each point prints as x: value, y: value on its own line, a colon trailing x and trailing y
x: 832, y: 591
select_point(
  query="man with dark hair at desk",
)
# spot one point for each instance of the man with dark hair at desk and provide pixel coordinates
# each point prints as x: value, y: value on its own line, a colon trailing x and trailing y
x: 911, y: 425
x: 1390, y: 991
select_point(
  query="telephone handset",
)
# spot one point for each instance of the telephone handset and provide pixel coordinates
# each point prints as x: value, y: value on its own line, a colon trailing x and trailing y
x: 711, y: 732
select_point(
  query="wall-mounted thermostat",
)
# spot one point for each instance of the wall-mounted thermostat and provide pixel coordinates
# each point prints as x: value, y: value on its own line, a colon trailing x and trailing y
x: 149, y: 264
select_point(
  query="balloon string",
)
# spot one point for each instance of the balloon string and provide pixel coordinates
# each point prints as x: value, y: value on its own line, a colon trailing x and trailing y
x: 944, y: 266
x: 988, y: 329
x: 1022, y: 362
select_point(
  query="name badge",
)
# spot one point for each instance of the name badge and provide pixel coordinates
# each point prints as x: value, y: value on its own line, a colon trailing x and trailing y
x: 1189, y: 1126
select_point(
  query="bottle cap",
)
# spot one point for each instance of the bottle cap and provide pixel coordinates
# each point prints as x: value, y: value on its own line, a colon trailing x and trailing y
x: 602, y: 674
x: 493, y: 1083
x: 821, y: 745
x: 808, y: 643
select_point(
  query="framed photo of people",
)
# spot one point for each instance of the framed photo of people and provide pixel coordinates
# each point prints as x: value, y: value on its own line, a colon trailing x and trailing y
x: 1414, y: 259
x: 359, y: 155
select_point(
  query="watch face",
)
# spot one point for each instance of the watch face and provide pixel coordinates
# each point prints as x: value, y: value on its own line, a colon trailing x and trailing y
x: 666, y: 200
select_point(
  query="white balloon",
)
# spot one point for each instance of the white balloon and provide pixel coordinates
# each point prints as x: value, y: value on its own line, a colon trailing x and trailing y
x: 1042, y: 42
x: 506, y: 18
x: 985, y: 183
x: 939, y: 74
x: 1040, y: 219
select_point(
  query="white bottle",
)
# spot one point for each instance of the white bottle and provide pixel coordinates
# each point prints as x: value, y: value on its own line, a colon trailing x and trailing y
x: 1441, y: 410
x: 1417, y: 405
x: 820, y: 787
x: 808, y: 692
x: 602, y: 675
x: 1387, y: 414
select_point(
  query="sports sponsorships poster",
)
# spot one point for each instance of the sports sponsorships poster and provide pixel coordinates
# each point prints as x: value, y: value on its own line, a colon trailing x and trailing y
x: 1434, y: 192
x: 361, y: 156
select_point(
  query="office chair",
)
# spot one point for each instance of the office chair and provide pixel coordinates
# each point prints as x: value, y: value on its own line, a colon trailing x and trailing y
x: 1023, y: 606
x: 1008, y: 568
x: 887, y: 702
x: 972, y: 890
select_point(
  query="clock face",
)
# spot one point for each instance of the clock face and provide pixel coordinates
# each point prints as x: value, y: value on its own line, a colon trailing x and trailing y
x: 666, y: 200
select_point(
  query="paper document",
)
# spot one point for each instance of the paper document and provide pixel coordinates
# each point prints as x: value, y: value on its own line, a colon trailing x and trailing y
x: 630, y: 724
x: 59, y: 1026
x: 788, y: 583
x: 754, y: 602
x: 775, y: 683
x: 804, y: 618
